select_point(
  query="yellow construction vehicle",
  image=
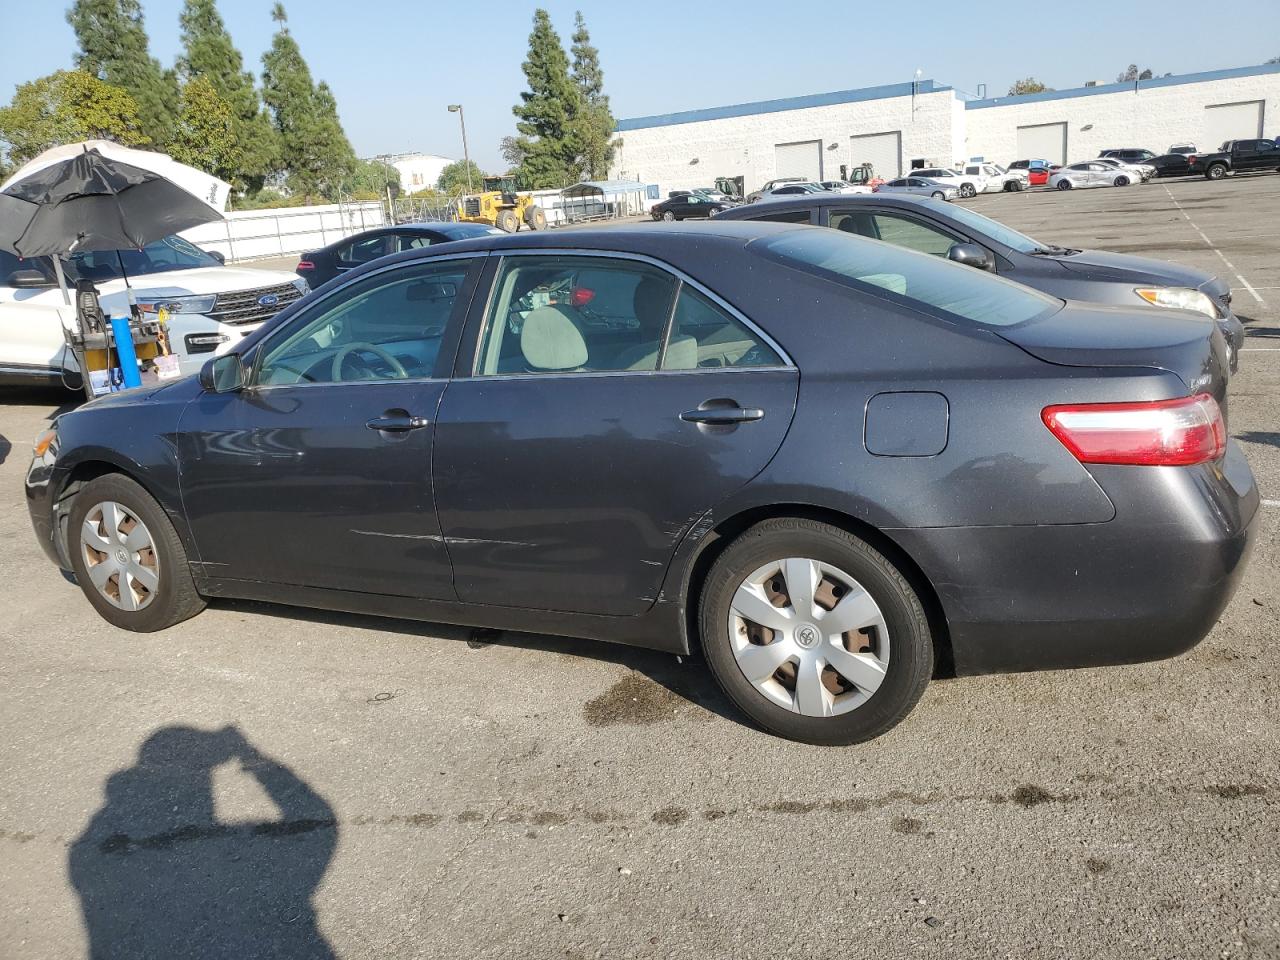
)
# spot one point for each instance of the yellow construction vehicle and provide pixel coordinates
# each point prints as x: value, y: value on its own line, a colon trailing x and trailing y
x: 501, y: 206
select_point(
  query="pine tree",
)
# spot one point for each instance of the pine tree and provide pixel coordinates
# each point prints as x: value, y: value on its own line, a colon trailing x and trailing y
x: 208, y: 51
x: 313, y: 148
x: 546, y: 113
x: 594, y: 121
x: 114, y: 48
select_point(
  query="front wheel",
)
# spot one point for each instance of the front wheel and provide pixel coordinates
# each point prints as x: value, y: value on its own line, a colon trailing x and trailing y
x: 127, y: 557
x: 938, y: 195
x: 813, y: 633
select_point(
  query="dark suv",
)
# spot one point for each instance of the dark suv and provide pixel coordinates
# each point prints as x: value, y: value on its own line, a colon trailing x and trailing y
x: 1130, y: 155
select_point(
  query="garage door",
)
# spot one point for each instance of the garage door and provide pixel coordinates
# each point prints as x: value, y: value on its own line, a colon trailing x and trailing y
x: 799, y: 159
x: 882, y: 150
x: 1044, y: 141
x: 1231, y: 121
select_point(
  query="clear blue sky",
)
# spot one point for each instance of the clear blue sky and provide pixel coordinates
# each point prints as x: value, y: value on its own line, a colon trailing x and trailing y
x: 394, y: 65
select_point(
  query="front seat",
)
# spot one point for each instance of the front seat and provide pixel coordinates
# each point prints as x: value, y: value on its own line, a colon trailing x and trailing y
x: 551, y: 341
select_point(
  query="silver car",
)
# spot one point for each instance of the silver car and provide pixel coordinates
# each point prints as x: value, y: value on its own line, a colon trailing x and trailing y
x: 1090, y: 173
x: 1143, y: 171
x: 920, y: 187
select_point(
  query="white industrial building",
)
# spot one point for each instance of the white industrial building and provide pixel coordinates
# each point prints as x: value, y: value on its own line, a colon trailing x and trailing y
x: 418, y: 171
x: 922, y: 123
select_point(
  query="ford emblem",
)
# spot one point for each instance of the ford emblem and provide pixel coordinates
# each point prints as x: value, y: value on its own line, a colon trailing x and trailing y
x: 268, y: 300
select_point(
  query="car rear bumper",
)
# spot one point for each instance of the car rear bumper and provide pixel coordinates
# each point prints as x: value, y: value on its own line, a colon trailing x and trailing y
x: 1147, y: 585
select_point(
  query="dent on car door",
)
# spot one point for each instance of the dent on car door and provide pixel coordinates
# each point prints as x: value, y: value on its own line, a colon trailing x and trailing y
x: 605, y: 405
x: 318, y: 472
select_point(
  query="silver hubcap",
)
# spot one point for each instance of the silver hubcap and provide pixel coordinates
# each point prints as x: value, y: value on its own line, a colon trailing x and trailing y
x: 120, y: 556
x: 808, y: 637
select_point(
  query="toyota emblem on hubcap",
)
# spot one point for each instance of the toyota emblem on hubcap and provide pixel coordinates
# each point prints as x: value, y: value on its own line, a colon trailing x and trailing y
x: 122, y: 556
x: 807, y: 636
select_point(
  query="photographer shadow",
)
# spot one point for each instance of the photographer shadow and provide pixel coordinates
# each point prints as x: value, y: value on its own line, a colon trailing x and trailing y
x: 159, y: 875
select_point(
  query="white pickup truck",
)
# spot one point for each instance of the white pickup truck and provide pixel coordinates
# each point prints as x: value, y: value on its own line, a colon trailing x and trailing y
x: 998, y: 178
x: 209, y: 306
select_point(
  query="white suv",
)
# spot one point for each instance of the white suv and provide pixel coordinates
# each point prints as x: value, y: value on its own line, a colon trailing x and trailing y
x: 998, y: 178
x: 209, y: 306
x: 967, y: 184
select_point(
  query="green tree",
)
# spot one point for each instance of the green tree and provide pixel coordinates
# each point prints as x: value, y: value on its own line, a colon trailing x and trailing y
x: 113, y: 47
x: 1132, y: 73
x: 64, y: 107
x: 314, y: 150
x: 453, y: 178
x: 1029, y: 85
x: 204, y: 134
x: 546, y: 112
x: 594, y: 122
x: 371, y: 178
x: 208, y: 51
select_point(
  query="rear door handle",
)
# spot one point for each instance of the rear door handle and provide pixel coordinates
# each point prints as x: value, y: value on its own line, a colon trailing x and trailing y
x: 723, y: 415
x: 397, y: 423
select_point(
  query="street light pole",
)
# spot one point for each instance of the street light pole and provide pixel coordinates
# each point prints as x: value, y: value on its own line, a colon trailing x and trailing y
x: 466, y: 156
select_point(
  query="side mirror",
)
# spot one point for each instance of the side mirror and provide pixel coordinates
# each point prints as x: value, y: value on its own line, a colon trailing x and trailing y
x: 28, y: 280
x: 224, y: 374
x: 971, y: 255
x: 218, y: 255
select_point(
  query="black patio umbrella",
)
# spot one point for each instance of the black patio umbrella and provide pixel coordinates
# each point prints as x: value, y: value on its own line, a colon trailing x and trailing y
x: 88, y: 200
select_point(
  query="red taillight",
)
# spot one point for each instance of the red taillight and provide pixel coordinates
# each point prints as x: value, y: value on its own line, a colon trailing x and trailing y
x: 1169, y: 433
x: 306, y: 265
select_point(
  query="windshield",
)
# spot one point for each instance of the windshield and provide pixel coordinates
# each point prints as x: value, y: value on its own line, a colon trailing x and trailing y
x: 994, y: 229
x: 171, y: 253
x: 914, y: 279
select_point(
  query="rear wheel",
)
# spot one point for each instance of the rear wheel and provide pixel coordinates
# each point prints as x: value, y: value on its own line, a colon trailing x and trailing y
x: 967, y: 190
x: 1122, y: 181
x: 507, y: 221
x: 1216, y: 171
x: 128, y: 558
x: 668, y: 216
x: 1065, y: 184
x: 813, y: 633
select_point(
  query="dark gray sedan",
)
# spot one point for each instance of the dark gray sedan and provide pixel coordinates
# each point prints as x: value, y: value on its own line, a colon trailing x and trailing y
x: 832, y: 465
x: 960, y: 234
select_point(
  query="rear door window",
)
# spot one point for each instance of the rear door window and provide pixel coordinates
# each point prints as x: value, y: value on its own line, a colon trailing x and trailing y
x: 932, y: 284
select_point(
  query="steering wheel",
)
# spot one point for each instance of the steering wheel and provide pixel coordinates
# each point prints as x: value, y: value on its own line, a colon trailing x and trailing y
x: 339, y: 358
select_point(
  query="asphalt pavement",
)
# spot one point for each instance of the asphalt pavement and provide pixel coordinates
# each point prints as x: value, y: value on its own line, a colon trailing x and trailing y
x: 262, y: 781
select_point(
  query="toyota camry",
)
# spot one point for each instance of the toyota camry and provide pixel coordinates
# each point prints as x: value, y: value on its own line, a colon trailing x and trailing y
x: 833, y: 466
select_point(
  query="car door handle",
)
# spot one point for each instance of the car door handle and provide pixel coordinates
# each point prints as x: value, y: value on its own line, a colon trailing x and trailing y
x: 722, y: 415
x: 397, y: 422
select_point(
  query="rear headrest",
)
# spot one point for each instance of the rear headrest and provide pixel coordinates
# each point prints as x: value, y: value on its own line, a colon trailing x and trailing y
x: 652, y: 303
x: 550, y: 340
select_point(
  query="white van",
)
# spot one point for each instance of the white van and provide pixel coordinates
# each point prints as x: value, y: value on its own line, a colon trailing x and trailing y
x: 209, y: 306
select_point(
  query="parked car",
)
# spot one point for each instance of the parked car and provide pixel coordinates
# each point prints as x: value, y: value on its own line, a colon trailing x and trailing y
x: 707, y: 193
x: 920, y: 187
x: 1038, y: 171
x: 998, y: 178
x: 843, y: 186
x: 1134, y: 155
x: 1171, y: 165
x: 774, y: 185
x: 321, y: 266
x: 689, y: 206
x: 958, y: 233
x: 1236, y: 156
x: 790, y: 188
x: 1138, y: 172
x: 968, y: 185
x: 974, y: 472
x: 209, y: 306
x: 1091, y: 173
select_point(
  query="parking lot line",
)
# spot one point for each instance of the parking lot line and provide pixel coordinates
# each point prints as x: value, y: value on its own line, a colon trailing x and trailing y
x: 1209, y: 243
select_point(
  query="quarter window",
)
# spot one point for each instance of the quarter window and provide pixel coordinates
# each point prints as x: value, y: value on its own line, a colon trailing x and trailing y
x: 704, y: 335
x: 384, y: 327
x: 363, y: 251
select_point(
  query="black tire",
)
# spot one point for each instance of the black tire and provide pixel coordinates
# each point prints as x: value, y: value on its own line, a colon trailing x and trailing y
x: 175, y: 597
x: 1065, y: 184
x: 668, y: 216
x: 1215, y: 171
x: 535, y: 217
x: 507, y: 221
x: 911, y: 661
x: 1122, y: 181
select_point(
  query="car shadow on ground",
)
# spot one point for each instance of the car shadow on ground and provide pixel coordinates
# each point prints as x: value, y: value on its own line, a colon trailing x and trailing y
x: 159, y: 874
x: 1269, y: 438
x: 687, y: 679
